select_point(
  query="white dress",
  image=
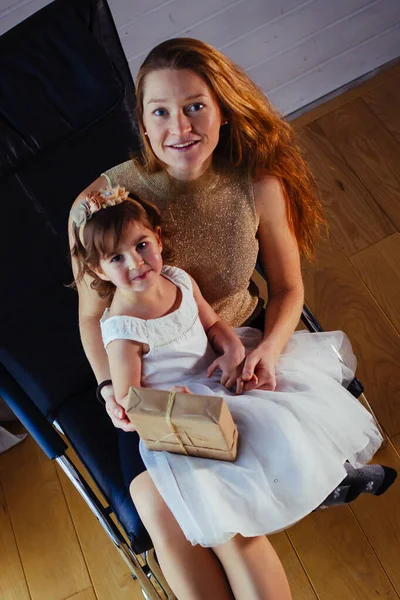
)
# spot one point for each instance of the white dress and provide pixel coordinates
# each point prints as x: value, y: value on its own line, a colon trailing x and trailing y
x: 293, y: 442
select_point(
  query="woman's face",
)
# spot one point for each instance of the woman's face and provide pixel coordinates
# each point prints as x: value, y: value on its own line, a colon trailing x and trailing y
x: 182, y: 121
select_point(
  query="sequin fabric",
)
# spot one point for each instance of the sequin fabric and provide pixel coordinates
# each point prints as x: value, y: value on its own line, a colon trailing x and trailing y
x: 214, y: 227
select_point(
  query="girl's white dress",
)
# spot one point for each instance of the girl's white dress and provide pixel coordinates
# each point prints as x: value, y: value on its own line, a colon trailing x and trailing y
x: 293, y: 442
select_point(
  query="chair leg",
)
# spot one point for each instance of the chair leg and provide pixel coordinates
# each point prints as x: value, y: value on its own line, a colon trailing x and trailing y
x: 141, y: 574
x: 154, y: 567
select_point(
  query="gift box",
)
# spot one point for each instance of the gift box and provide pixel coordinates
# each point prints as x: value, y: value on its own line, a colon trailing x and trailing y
x: 190, y: 424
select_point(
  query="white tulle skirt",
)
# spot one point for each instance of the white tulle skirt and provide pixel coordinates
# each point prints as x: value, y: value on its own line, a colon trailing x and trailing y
x: 292, y: 449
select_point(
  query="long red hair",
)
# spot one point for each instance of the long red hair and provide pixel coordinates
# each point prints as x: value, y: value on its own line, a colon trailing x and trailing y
x: 256, y: 135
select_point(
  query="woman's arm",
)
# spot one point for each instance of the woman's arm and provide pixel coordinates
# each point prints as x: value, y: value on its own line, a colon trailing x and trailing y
x: 281, y: 262
x: 280, y: 259
x: 91, y: 306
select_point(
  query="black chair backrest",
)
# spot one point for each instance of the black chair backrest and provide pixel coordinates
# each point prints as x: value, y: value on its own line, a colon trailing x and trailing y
x: 66, y: 114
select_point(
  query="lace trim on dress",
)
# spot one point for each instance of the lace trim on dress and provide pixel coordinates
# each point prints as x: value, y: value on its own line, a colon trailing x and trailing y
x: 180, y: 336
x: 155, y: 332
x: 122, y: 328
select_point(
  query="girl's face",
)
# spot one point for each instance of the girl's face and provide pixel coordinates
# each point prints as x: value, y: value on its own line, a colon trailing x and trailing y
x: 136, y: 263
x: 182, y: 121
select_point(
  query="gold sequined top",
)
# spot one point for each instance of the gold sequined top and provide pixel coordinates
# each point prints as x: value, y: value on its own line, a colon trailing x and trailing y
x: 216, y: 230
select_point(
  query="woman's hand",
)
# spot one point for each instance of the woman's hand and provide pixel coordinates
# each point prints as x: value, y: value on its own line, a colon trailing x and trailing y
x: 115, y: 411
x: 259, y: 369
x: 231, y: 365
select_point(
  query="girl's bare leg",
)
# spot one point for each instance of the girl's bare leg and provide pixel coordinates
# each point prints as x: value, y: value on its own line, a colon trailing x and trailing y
x: 192, y: 572
x: 253, y: 569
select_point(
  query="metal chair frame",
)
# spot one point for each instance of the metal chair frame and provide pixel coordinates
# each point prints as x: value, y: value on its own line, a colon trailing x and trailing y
x: 145, y: 573
x: 51, y: 438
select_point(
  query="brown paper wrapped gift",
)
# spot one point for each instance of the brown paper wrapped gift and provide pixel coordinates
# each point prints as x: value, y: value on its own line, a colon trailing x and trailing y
x: 183, y: 423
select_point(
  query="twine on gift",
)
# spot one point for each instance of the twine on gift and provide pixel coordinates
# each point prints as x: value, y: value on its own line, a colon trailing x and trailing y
x: 171, y: 400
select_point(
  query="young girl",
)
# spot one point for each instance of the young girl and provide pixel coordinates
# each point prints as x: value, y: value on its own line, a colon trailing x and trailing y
x: 160, y: 332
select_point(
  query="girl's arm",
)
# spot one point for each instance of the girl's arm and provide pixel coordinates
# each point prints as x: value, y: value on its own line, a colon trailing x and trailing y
x: 125, y: 360
x: 224, y: 340
x: 281, y: 262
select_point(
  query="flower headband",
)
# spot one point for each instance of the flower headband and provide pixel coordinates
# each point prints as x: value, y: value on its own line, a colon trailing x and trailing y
x: 94, y: 202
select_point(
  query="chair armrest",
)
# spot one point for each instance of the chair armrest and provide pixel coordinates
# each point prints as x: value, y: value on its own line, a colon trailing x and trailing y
x: 30, y: 416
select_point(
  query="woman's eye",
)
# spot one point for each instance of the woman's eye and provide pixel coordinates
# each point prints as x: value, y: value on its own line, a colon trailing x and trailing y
x: 195, y: 107
x: 116, y: 258
x: 160, y: 112
x: 141, y: 246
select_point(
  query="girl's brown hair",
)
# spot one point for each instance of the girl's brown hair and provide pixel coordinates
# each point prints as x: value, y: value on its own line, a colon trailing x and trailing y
x: 256, y: 135
x: 102, y: 232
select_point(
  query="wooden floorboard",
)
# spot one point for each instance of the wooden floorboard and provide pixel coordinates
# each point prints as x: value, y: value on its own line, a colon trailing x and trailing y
x: 379, y: 268
x: 294, y: 570
x: 379, y: 518
x: 396, y: 444
x: 370, y: 150
x: 110, y: 576
x: 87, y: 594
x: 48, y: 546
x: 338, y: 557
x: 384, y: 102
x: 13, y: 584
x: 355, y: 219
x: 341, y: 300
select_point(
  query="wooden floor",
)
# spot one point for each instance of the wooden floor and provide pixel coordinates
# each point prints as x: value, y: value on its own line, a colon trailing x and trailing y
x: 51, y: 548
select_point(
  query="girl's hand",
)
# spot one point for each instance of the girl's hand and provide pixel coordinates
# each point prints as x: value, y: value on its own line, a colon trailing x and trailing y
x: 180, y: 388
x: 115, y: 411
x: 231, y: 365
x: 259, y: 370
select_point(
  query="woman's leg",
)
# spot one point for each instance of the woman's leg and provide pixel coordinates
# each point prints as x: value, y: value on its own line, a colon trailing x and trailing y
x: 253, y: 569
x: 192, y: 572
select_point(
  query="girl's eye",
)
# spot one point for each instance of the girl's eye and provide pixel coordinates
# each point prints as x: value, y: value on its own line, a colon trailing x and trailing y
x: 141, y: 246
x: 195, y: 107
x: 116, y: 258
x: 160, y: 112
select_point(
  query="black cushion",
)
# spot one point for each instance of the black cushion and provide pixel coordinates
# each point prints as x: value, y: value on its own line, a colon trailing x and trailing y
x: 79, y: 417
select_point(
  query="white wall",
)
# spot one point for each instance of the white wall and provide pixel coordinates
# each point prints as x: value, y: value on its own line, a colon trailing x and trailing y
x: 296, y: 50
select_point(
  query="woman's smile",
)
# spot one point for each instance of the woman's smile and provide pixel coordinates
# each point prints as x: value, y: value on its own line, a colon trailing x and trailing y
x: 183, y: 146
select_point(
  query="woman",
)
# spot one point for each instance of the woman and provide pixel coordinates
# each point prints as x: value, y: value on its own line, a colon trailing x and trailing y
x: 227, y: 135
x: 224, y: 170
